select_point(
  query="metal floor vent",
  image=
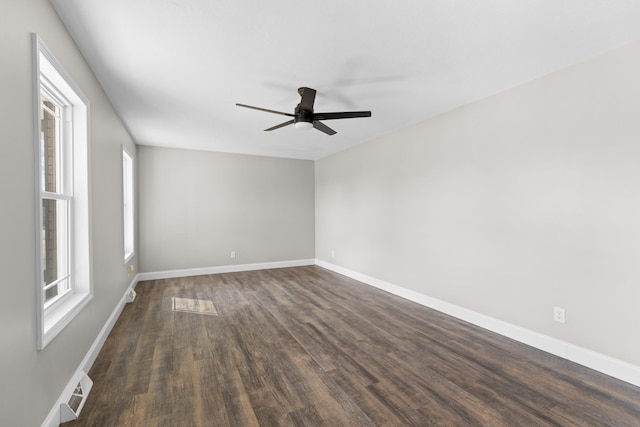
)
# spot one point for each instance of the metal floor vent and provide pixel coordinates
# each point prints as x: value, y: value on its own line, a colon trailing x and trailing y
x: 70, y: 410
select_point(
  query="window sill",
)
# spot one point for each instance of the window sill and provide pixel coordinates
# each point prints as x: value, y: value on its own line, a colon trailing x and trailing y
x: 59, y: 316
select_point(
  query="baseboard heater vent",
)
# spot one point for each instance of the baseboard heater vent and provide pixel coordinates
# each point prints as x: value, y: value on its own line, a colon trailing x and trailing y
x: 70, y: 410
x: 131, y: 295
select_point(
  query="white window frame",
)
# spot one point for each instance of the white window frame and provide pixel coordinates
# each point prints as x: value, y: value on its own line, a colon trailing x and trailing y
x: 128, y: 203
x: 50, y: 77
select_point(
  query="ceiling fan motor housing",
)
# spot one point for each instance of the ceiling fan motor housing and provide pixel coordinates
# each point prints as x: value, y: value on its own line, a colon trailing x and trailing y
x: 303, y: 118
x: 303, y: 115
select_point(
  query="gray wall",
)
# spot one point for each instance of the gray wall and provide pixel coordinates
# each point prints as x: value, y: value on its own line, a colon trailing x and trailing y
x: 32, y: 380
x: 507, y: 206
x: 197, y: 207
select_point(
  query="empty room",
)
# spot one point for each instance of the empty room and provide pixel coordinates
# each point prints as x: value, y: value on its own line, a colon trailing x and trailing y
x: 243, y: 213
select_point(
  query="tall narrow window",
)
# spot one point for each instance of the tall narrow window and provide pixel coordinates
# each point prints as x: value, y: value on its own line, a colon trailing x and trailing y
x: 63, y: 277
x: 128, y: 204
x: 56, y: 194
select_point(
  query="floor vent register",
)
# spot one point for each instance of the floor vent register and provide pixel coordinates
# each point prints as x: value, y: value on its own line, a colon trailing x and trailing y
x: 70, y: 410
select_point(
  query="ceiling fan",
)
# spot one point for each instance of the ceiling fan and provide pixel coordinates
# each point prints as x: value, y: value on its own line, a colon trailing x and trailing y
x: 305, y: 118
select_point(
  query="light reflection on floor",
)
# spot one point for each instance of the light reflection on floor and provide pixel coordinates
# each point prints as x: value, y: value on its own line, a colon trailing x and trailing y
x: 191, y: 305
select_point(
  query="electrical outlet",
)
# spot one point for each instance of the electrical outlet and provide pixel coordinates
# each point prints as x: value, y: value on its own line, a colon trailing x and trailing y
x: 131, y: 270
x: 233, y: 254
x: 333, y: 254
x: 558, y: 314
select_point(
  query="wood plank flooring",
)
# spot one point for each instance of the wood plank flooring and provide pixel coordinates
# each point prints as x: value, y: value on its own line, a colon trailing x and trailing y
x: 307, y: 347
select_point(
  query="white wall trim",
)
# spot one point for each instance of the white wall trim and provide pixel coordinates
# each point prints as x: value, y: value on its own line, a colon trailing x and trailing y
x: 53, y: 419
x: 607, y: 365
x: 234, y: 268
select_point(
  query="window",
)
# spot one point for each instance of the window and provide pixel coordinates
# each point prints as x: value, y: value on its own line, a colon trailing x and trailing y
x: 56, y: 197
x: 64, y: 278
x: 127, y: 202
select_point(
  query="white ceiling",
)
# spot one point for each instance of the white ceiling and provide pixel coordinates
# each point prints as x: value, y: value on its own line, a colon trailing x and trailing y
x: 174, y: 69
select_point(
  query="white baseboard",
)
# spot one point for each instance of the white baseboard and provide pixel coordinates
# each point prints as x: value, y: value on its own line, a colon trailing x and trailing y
x: 608, y: 365
x: 169, y: 274
x: 53, y: 419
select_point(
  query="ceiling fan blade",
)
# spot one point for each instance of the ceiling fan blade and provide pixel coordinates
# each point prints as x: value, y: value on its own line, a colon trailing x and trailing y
x: 281, y: 125
x: 323, y: 128
x: 266, y: 110
x: 342, y: 115
x: 308, y: 98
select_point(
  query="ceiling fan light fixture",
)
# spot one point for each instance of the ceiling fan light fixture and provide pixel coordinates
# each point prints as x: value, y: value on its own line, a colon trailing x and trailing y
x: 303, y: 125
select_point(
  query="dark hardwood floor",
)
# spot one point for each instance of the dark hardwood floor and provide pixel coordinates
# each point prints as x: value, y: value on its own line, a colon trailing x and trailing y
x: 308, y: 347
